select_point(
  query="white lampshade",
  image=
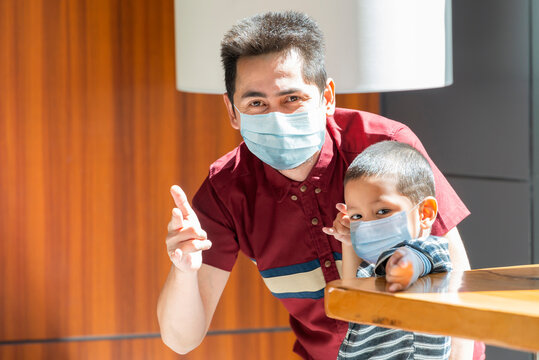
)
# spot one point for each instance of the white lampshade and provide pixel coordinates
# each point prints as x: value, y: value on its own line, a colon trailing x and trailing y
x: 371, y: 45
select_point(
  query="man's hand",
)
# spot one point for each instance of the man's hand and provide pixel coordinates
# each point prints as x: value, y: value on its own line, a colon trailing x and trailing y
x: 400, y: 269
x: 185, y: 239
x: 341, y: 226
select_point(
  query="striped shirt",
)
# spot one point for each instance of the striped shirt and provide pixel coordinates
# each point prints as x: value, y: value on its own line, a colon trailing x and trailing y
x: 378, y: 343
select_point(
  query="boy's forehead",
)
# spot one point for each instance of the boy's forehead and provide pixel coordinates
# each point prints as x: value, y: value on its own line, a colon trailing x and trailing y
x: 376, y: 188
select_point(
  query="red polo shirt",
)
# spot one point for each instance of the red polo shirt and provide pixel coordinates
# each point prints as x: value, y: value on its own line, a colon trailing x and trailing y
x: 247, y: 205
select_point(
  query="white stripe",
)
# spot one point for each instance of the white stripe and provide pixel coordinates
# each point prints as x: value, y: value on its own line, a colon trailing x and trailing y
x: 306, y: 281
x: 365, y: 329
x: 377, y: 335
x: 390, y: 355
x: 424, y: 345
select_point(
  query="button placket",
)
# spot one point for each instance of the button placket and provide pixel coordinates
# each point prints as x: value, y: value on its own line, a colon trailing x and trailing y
x: 311, y: 205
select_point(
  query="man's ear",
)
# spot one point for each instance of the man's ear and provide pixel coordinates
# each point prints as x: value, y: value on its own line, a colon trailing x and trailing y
x: 329, y: 97
x: 234, y: 119
x: 427, y: 212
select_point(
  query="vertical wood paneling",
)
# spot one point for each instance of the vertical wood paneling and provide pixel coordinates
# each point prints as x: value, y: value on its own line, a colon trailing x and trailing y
x: 92, y: 136
x: 241, y: 346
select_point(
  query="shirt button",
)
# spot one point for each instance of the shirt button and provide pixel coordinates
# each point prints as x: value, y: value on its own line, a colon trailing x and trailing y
x: 314, y: 221
x: 303, y: 188
x: 294, y: 197
x: 327, y: 263
x: 318, y: 190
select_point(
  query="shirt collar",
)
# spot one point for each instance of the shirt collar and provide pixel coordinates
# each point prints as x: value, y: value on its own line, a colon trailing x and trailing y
x: 318, y: 177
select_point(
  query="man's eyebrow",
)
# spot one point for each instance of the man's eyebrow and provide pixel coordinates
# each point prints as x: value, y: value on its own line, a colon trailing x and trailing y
x: 253, y: 93
x: 249, y: 94
x: 288, y: 91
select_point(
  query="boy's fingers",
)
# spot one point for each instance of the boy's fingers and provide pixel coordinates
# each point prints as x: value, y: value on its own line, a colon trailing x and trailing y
x: 329, y: 230
x: 341, y: 207
x: 395, y: 287
x: 342, y: 224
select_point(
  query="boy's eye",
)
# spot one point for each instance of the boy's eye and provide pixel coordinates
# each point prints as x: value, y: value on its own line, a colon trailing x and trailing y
x: 383, y: 212
x: 355, y: 217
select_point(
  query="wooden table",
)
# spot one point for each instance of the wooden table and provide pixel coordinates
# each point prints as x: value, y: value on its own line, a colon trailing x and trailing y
x: 499, y: 306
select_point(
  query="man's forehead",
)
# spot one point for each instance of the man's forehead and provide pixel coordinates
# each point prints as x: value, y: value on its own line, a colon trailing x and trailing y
x: 274, y: 74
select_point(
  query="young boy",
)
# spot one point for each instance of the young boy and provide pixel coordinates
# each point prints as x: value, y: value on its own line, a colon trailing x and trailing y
x: 389, y: 195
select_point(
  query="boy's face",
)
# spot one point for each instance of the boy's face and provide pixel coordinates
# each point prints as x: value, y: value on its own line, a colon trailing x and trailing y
x: 370, y: 198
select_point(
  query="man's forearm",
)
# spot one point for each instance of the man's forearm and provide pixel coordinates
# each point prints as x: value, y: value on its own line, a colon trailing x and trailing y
x: 461, y: 349
x: 180, y: 311
x: 457, y: 252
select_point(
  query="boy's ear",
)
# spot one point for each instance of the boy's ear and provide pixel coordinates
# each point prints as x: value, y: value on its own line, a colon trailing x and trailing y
x: 427, y: 212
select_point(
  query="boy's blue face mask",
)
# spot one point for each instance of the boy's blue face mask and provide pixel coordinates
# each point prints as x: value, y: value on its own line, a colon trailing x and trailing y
x: 371, y: 238
x: 284, y: 141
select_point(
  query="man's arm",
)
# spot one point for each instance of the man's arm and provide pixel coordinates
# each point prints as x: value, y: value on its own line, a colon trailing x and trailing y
x: 460, y: 348
x: 187, y: 304
x: 457, y: 252
x: 192, y: 290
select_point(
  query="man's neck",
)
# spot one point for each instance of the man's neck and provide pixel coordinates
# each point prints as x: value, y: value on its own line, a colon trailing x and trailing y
x: 301, y: 172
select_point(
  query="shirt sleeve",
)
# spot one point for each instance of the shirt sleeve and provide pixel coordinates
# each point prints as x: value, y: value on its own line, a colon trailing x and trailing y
x: 217, y: 222
x: 451, y: 209
x: 433, y: 251
x: 436, y: 249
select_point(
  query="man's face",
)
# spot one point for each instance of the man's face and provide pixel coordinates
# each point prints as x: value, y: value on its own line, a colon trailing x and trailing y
x: 273, y: 83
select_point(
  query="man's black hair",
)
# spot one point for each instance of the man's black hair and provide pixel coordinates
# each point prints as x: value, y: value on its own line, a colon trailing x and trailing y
x: 275, y: 32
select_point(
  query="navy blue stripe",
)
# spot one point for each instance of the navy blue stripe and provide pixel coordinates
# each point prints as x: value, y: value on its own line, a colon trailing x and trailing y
x: 291, y: 269
x: 337, y: 256
x: 301, y: 295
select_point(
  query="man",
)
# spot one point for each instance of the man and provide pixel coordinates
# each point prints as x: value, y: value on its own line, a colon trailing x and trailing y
x: 271, y: 196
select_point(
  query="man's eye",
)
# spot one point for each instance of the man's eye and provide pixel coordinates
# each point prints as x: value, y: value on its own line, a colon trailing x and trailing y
x: 293, y: 98
x: 255, y: 103
x: 355, y: 217
x: 383, y: 212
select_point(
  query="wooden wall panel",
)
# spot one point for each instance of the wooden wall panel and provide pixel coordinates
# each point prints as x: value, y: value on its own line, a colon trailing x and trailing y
x: 92, y: 136
x: 269, y: 346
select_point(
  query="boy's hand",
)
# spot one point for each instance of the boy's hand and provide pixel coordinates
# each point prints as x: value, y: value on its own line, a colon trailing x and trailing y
x: 341, y: 226
x: 402, y: 269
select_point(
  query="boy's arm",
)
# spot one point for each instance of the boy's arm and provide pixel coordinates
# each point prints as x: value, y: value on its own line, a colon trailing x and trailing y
x: 403, y: 268
x: 341, y: 232
x: 350, y: 261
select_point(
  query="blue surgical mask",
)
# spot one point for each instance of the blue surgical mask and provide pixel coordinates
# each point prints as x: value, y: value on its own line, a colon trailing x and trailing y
x: 371, y: 238
x: 284, y: 141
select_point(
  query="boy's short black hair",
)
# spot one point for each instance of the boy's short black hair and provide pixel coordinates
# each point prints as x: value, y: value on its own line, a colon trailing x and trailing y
x: 275, y: 32
x: 400, y: 161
